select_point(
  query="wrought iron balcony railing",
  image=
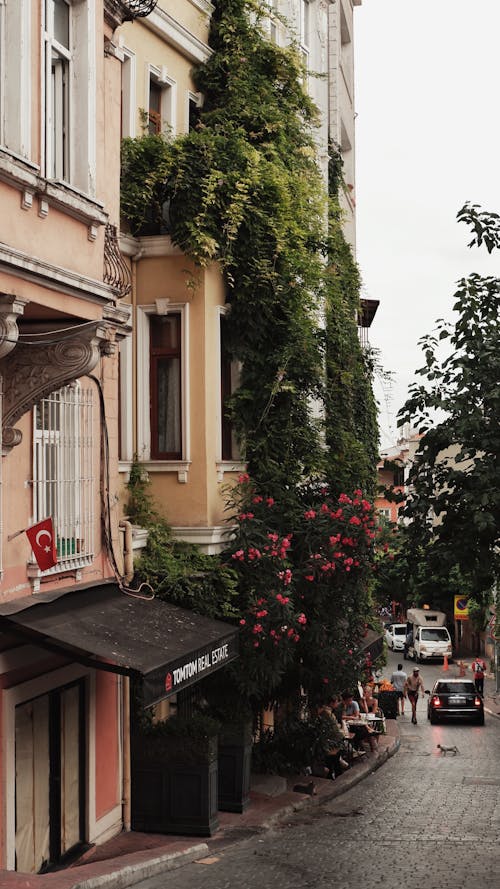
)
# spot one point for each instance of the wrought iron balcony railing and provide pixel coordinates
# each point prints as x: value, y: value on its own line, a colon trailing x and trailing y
x: 140, y: 8
x: 116, y: 272
x: 118, y: 11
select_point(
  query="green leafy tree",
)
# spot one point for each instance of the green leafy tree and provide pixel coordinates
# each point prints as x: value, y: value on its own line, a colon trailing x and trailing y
x: 455, y: 481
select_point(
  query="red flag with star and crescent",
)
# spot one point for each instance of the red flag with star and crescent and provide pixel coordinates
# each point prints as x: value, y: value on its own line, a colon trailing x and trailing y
x: 43, y: 544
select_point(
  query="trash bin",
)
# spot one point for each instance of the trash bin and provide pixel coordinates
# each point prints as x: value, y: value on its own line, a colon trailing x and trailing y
x: 388, y: 703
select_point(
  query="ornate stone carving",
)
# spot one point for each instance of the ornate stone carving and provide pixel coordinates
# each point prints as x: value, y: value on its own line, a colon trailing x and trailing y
x: 32, y: 372
x: 10, y: 309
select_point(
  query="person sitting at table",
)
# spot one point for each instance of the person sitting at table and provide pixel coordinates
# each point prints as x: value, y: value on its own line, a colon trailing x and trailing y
x: 351, y: 714
x: 368, y: 703
x: 336, y: 759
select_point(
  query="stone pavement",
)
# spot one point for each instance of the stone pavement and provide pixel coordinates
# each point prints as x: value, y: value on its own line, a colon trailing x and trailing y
x: 132, y: 857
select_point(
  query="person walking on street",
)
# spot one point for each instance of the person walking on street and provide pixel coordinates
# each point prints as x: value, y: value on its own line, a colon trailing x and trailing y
x: 479, y: 669
x: 412, y: 686
x: 398, y: 680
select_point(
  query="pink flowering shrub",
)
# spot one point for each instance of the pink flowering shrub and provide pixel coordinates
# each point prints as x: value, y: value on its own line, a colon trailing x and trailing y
x: 303, y: 578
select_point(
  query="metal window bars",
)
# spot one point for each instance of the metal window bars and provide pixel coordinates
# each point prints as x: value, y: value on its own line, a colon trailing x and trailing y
x: 63, y: 478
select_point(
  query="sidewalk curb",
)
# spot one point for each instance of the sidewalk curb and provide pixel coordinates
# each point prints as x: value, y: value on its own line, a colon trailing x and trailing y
x: 338, y: 788
x: 135, y: 873
x: 490, y: 713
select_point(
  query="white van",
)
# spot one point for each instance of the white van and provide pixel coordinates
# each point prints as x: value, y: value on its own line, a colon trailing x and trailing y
x: 431, y: 638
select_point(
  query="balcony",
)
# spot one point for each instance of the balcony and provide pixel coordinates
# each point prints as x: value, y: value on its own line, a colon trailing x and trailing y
x: 118, y: 11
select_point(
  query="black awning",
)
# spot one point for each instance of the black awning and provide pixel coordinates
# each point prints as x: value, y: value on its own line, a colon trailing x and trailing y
x: 168, y: 647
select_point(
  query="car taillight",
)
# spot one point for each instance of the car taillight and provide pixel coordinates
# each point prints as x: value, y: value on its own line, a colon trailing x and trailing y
x: 436, y: 702
x: 477, y: 701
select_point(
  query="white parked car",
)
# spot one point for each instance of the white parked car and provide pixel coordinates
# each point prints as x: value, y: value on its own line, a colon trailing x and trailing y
x: 395, y: 635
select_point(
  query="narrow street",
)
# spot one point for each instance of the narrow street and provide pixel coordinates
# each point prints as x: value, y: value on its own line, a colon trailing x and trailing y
x: 422, y: 821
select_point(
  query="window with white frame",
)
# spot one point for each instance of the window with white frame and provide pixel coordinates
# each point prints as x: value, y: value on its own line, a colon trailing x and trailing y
x: 58, y: 72
x: 69, y: 92
x: 230, y: 377
x: 165, y: 366
x: 304, y: 30
x: 15, y: 76
x: 160, y: 101
x: 63, y: 482
x: 163, y: 412
x: 273, y: 22
x: 128, y: 105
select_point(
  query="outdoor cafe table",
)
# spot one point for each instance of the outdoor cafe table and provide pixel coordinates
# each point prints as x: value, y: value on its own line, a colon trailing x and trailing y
x: 377, y: 723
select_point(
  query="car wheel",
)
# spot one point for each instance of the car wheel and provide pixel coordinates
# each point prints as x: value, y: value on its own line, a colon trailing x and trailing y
x: 480, y: 719
x: 416, y: 657
x: 433, y: 718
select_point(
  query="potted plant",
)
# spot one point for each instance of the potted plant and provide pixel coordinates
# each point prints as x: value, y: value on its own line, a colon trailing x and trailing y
x: 175, y: 776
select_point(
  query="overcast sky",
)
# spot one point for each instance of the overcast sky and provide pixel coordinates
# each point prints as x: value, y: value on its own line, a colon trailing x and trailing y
x: 427, y: 140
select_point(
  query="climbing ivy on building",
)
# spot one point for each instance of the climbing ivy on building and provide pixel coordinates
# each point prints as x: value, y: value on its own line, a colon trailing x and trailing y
x: 243, y: 188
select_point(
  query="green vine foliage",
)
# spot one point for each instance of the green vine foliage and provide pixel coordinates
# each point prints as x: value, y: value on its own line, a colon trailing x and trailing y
x: 351, y: 427
x: 178, y: 572
x: 243, y: 187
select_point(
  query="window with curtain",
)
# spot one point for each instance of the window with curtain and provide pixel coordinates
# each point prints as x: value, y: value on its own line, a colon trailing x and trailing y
x: 165, y: 386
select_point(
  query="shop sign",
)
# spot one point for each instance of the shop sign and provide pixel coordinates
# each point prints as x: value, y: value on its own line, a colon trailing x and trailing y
x: 192, y: 667
x: 461, y: 611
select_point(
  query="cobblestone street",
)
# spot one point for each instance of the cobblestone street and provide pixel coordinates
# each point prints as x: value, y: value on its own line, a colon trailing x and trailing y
x: 423, y: 821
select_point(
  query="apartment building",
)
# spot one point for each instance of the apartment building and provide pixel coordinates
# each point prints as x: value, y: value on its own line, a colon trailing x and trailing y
x: 185, y: 442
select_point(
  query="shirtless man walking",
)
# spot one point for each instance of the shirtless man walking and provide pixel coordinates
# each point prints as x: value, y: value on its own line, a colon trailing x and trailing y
x: 412, y: 686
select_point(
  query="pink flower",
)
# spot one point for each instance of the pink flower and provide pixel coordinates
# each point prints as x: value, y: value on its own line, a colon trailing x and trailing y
x: 257, y: 499
x: 358, y: 492
x: 242, y: 622
x: 243, y: 478
x: 285, y: 576
x: 262, y: 613
x: 283, y: 600
x: 254, y: 554
x: 324, y: 507
x: 309, y: 577
x: 270, y: 501
x: 302, y: 619
x: 256, y: 645
x: 273, y: 537
x: 310, y: 514
x: 354, y: 520
x: 290, y: 632
x: 239, y: 555
x: 349, y: 651
x: 257, y: 628
x: 344, y: 499
x: 325, y: 680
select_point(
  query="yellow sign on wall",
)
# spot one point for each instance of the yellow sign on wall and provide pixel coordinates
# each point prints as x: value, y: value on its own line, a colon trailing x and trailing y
x: 461, y: 611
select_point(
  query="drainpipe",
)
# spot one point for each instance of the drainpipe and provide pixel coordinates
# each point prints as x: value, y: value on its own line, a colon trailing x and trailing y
x: 128, y: 555
x: 126, y: 814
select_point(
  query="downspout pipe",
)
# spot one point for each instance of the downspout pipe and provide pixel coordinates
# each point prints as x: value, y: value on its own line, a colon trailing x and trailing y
x: 128, y: 555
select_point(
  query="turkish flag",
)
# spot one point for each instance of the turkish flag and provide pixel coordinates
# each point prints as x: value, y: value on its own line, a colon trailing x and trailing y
x: 41, y: 537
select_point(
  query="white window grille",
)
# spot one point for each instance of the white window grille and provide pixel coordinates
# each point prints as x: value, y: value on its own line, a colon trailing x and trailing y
x: 63, y: 482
